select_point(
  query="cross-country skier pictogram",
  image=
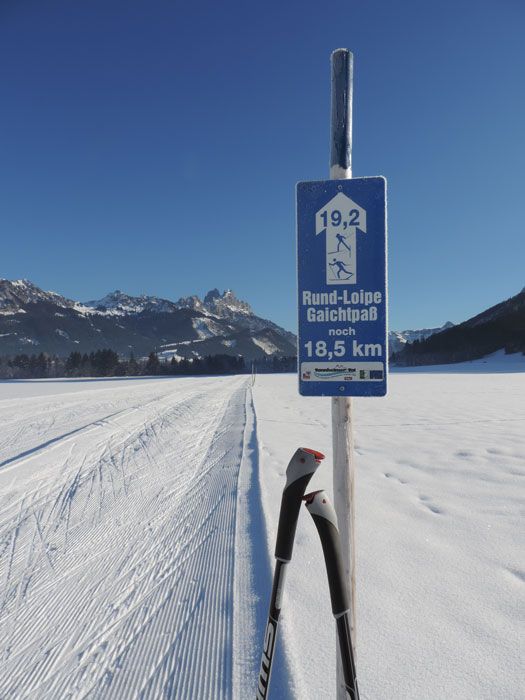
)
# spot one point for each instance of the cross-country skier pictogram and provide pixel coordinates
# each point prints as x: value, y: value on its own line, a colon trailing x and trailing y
x: 340, y: 269
x: 341, y: 241
x: 339, y: 220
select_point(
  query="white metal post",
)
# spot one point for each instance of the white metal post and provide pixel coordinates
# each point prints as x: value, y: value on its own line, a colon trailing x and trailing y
x: 342, y: 434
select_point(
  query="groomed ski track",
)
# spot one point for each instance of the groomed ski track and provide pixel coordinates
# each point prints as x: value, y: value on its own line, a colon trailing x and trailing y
x: 127, y: 516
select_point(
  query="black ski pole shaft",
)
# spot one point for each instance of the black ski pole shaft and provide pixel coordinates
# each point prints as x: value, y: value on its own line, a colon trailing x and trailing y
x: 325, y: 520
x: 300, y: 470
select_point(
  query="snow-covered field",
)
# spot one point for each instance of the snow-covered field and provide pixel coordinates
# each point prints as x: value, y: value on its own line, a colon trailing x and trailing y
x: 440, y: 562
x: 137, y: 526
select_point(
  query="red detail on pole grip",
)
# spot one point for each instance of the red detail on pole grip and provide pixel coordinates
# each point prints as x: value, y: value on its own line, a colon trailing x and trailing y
x: 318, y: 455
x: 309, y: 497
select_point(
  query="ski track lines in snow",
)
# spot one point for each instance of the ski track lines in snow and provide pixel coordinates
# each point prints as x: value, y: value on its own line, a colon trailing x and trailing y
x: 137, y: 526
x: 254, y: 564
x: 117, y: 543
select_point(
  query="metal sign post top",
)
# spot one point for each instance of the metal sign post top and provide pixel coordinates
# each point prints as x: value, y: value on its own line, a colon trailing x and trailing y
x: 341, y: 126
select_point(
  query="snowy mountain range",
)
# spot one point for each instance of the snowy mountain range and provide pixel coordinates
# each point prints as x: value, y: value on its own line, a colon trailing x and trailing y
x: 33, y: 320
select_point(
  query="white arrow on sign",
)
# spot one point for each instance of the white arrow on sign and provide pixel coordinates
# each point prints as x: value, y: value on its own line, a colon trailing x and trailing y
x: 341, y: 218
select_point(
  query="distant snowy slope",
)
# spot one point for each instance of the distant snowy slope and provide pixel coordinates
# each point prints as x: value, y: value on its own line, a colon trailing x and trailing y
x: 502, y: 327
x: 398, y: 339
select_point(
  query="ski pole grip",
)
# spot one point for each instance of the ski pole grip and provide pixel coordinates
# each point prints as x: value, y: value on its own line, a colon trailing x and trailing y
x: 300, y: 470
x: 325, y: 520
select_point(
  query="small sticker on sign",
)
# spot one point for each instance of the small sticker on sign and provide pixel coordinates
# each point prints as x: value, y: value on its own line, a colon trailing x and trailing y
x: 330, y: 371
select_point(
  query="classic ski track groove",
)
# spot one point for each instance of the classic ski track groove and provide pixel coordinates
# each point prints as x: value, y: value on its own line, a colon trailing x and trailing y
x: 118, y: 557
x: 103, y: 422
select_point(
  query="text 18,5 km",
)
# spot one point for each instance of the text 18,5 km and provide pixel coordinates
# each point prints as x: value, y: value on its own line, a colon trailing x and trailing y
x: 339, y: 348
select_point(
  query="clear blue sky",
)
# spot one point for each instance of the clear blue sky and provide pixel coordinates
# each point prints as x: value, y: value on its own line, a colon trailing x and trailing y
x: 154, y: 146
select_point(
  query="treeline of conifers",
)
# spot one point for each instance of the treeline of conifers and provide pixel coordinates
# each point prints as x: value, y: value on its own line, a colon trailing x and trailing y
x: 107, y: 363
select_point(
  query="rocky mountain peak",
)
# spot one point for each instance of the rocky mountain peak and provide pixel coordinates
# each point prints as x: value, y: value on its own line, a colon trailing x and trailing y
x: 16, y: 294
x: 112, y: 300
x: 226, y: 304
x: 191, y: 302
x: 211, y: 296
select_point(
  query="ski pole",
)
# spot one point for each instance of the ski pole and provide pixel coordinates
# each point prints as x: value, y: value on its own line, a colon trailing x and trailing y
x: 325, y: 521
x: 298, y: 474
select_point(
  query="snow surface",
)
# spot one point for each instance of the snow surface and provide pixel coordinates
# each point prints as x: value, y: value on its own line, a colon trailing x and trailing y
x: 440, y: 573
x: 138, y: 521
x: 498, y: 361
x: 117, y: 537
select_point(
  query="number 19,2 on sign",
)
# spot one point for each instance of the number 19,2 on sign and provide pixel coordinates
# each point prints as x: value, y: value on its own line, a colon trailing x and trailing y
x: 341, y: 253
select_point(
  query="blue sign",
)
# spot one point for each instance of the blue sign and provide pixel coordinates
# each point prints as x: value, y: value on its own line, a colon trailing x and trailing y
x: 341, y: 252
